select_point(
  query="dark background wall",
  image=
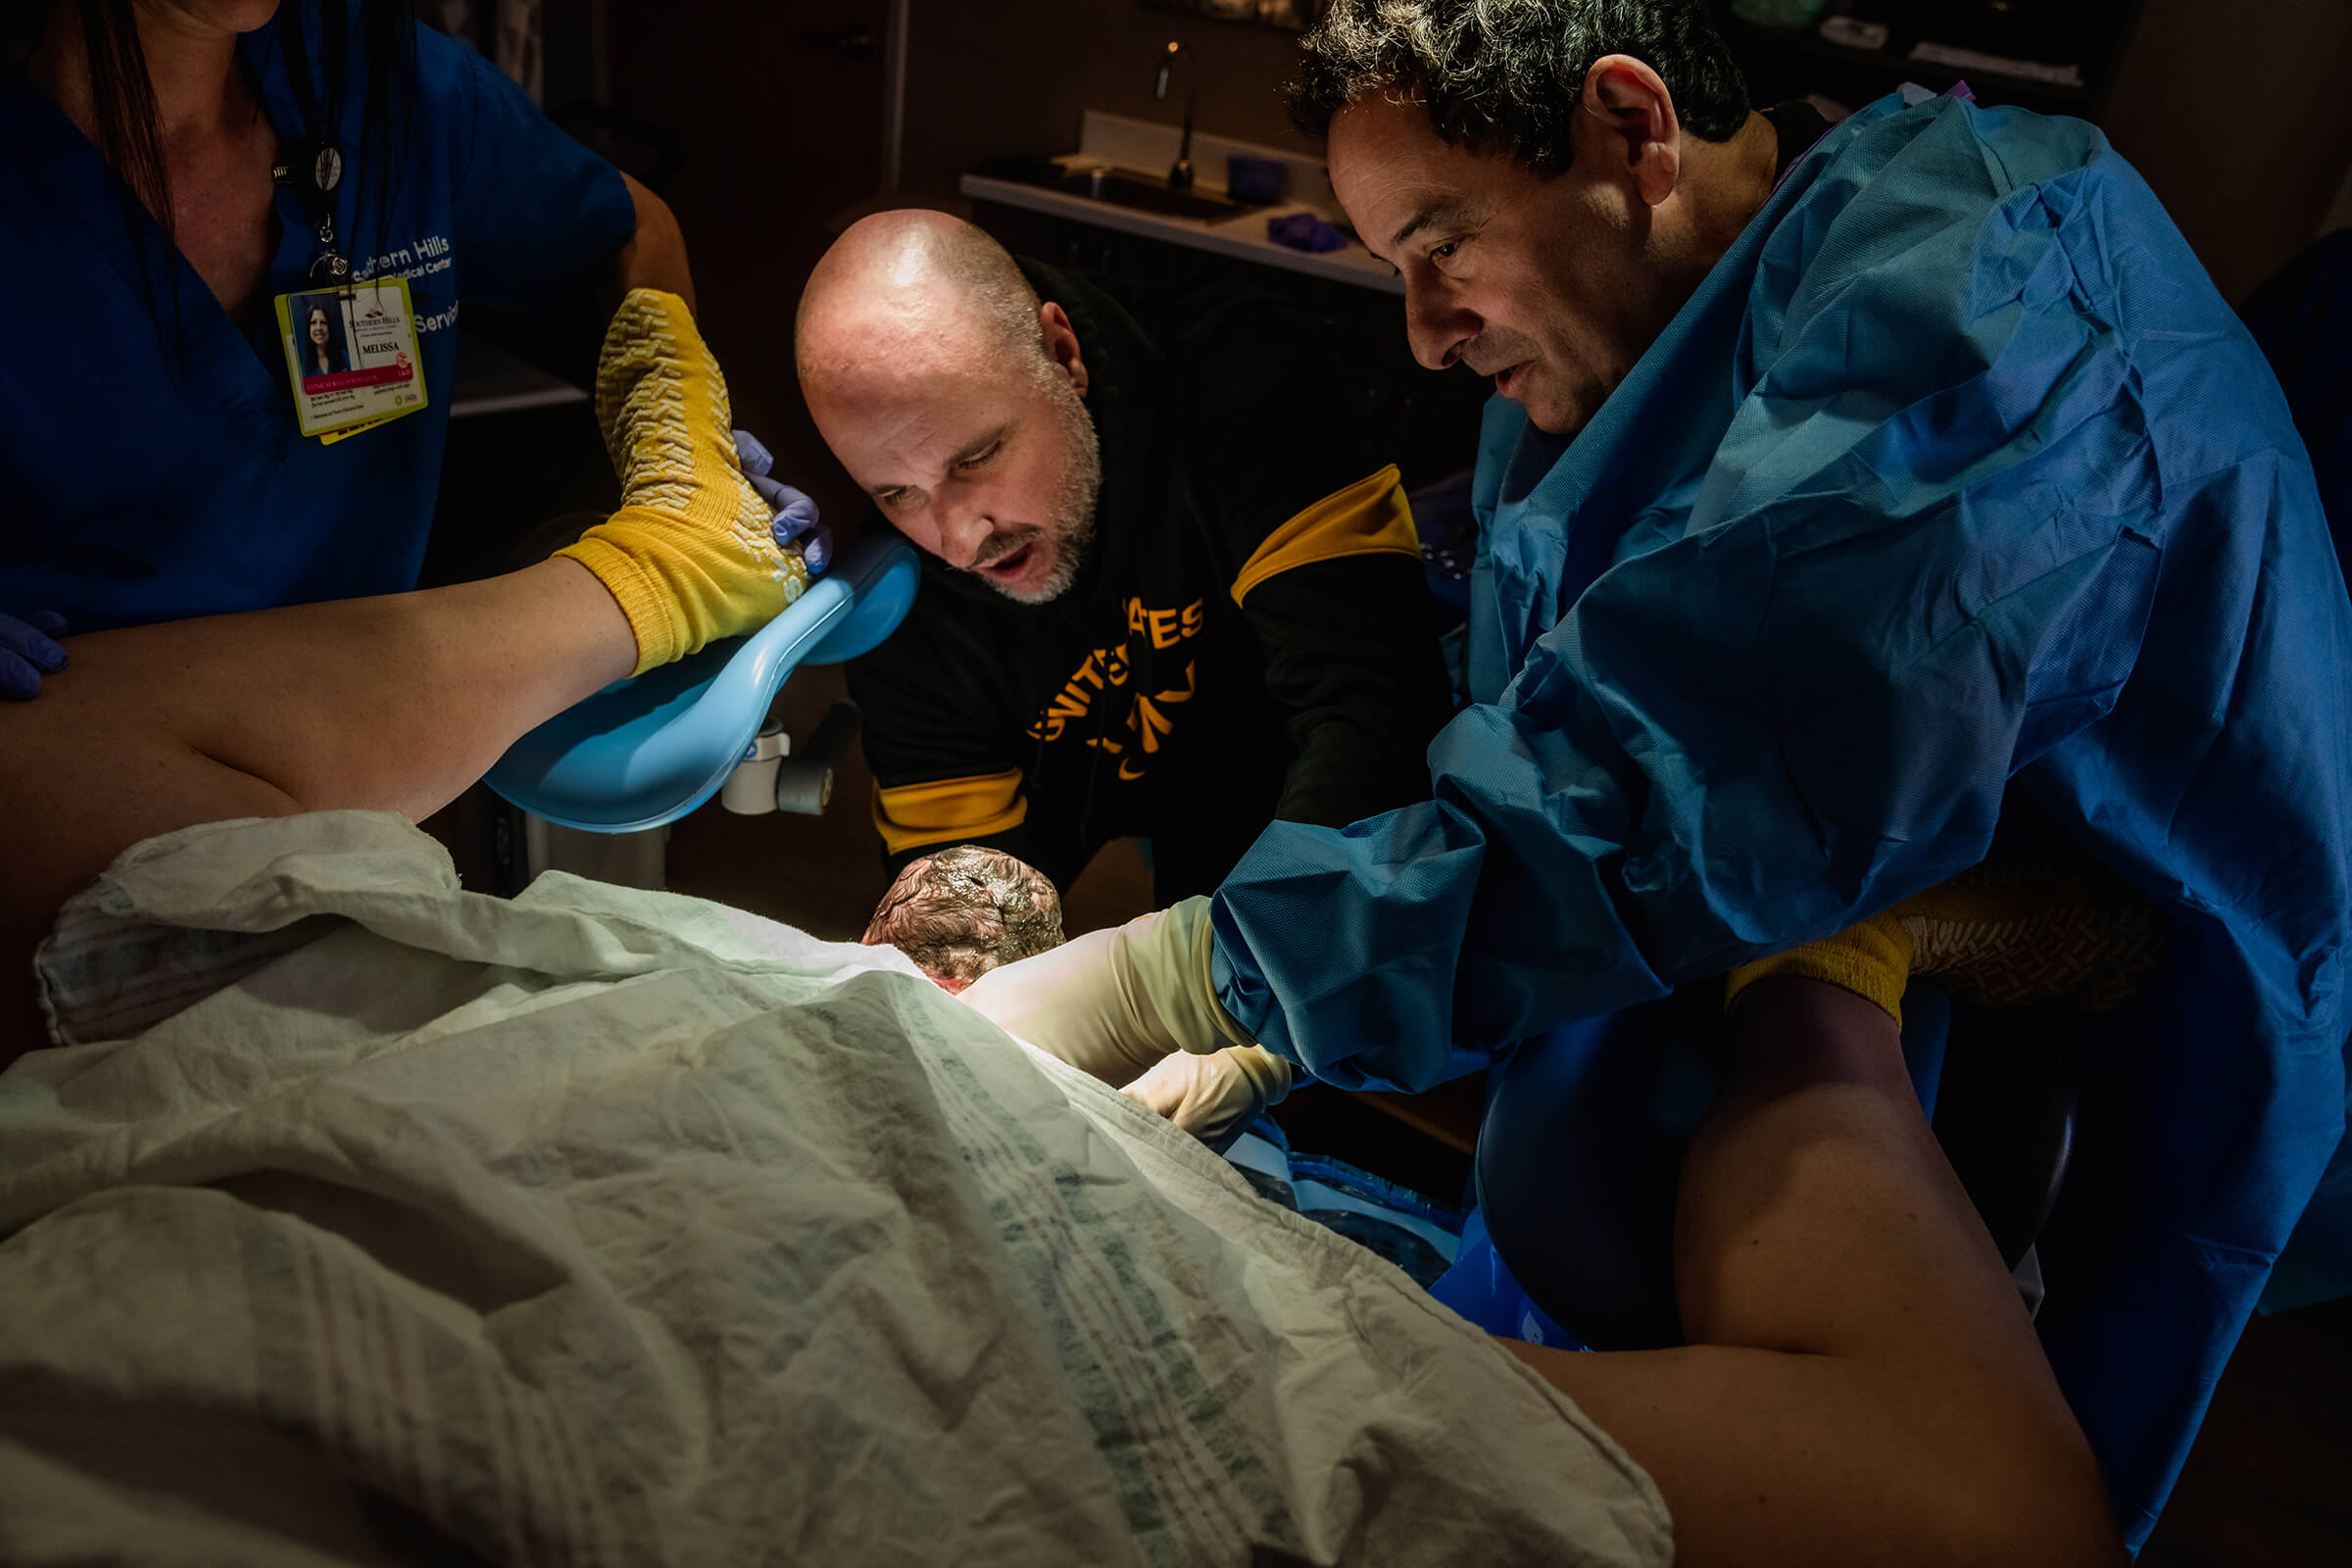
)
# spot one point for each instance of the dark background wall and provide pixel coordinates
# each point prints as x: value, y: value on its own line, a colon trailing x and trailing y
x: 2238, y: 115
x: 2236, y: 110
x: 990, y: 79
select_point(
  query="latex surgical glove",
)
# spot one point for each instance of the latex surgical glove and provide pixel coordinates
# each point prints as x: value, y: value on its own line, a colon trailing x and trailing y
x: 1115, y: 1003
x: 27, y: 651
x: 1216, y: 1097
x: 795, y: 510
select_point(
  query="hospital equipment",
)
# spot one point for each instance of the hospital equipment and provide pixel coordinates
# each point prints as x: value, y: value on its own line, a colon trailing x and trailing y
x: 643, y: 751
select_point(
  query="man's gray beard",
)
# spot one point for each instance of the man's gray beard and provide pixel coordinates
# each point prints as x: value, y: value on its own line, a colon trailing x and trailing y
x: 1072, y: 526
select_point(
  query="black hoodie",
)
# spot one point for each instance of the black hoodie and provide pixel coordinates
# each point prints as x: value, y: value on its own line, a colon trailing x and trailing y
x: 1152, y: 698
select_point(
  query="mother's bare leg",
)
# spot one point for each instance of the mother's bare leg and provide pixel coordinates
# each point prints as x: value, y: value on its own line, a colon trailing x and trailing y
x: 393, y: 703
x: 1863, y: 1384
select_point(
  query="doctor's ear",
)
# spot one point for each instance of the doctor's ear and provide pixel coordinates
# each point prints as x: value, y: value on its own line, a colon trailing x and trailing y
x: 1629, y: 130
x: 1061, y: 343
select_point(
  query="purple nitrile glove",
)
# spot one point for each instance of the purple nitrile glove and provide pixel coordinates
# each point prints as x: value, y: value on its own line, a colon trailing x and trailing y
x: 26, y: 651
x: 795, y: 513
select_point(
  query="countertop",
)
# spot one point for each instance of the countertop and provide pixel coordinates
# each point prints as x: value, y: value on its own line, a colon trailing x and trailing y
x: 1147, y: 146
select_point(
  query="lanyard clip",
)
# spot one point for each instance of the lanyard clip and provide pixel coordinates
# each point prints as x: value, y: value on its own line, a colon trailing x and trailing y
x: 327, y: 173
x: 328, y: 266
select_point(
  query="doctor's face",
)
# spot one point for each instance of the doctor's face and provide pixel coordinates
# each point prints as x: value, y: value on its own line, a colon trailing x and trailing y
x: 1537, y: 281
x: 982, y: 454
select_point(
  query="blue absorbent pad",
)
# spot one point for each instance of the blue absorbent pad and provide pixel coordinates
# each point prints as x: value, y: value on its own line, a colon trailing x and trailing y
x: 1417, y: 1235
x: 1482, y: 1289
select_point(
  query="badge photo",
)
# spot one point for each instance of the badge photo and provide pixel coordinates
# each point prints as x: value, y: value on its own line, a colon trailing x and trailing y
x: 351, y: 355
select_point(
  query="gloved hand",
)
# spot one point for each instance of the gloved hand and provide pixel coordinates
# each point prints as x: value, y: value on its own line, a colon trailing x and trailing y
x: 1116, y: 1004
x: 795, y: 510
x: 690, y: 557
x: 1216, y: 1097
x: 26, y: 652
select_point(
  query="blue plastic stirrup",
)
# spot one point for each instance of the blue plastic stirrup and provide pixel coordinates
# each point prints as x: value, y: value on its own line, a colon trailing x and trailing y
x: 647, y: 750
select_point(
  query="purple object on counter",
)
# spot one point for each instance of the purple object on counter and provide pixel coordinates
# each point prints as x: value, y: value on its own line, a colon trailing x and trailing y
x: 1305, y: 231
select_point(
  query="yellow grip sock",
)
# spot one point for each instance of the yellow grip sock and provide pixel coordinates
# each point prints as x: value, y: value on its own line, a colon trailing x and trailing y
x: 689, y: 556
x: 2053, y: 929
x: 1872, y: 959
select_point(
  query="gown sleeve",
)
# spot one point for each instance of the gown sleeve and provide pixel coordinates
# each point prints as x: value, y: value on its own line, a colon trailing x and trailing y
x: 1685, y: 776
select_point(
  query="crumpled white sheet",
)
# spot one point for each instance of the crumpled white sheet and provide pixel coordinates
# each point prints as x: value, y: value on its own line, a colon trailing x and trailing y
x: 364, y: 1219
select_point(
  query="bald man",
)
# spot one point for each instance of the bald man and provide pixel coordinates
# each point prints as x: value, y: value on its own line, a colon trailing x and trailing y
x: 1171, y: 587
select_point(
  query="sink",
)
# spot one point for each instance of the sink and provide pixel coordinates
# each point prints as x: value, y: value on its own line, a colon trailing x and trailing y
x: 1115, y: 180
x: 1124, y: 187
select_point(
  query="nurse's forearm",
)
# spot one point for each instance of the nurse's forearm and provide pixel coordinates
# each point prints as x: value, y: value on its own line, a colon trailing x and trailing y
x: 393, y: 703
x: 655, y: 255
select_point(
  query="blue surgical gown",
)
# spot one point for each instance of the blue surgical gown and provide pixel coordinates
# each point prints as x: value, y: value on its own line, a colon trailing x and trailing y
x: 1954, y: 484
x: 2303, y: 319
x: 154, y: 470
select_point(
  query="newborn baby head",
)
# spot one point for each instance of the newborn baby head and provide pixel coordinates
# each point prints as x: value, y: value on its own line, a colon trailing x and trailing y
x: 965, y: 911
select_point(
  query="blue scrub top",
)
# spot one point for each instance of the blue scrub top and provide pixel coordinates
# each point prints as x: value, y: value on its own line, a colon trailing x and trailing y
x: 154, y: 468
x: 1956, y: 486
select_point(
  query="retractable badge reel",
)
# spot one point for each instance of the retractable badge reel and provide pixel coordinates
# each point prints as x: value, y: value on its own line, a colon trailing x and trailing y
x: 351, y: 348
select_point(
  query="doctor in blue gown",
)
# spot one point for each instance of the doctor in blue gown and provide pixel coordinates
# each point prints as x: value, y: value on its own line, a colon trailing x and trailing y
x: 147, y: 423
x: 1851, y: 495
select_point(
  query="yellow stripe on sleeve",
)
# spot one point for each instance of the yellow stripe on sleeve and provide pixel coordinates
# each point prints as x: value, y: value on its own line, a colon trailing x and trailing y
x: 949, y: 809
x: 1366, y: 519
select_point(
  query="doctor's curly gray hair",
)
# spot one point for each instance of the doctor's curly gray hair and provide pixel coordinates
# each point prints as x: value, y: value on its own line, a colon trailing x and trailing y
x: 1507, y: 74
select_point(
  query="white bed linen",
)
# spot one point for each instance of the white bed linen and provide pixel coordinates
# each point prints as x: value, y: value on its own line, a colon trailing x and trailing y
x: 362, y: 1218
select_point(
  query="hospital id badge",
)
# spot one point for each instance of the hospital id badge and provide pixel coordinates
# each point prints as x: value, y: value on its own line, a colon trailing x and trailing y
x: 351, y: 354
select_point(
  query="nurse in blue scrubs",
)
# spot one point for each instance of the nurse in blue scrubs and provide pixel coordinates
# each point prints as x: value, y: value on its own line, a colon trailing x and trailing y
x: 161, y: 187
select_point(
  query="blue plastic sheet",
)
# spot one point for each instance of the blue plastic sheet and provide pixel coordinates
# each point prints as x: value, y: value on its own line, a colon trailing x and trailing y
x: 1482, y: 1289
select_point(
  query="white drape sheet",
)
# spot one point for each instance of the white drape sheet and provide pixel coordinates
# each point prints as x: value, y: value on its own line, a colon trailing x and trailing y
x: 359, y: 1219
